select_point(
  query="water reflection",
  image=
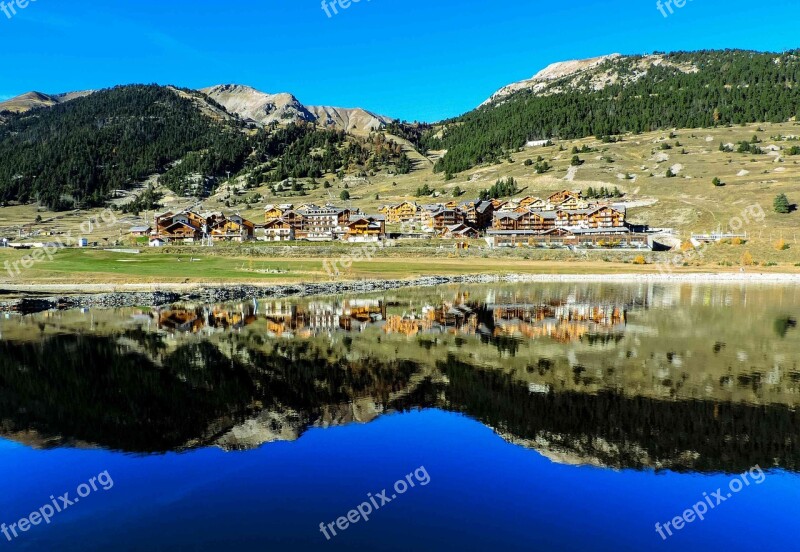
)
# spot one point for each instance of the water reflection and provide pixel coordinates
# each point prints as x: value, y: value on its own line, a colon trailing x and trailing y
x: 686, y: 378
x: 562, y: 321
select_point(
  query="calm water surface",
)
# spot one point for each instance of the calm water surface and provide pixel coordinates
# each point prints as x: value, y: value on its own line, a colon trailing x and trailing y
x: 530, y: 417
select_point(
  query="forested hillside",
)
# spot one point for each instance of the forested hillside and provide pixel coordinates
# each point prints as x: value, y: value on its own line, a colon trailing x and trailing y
x: 77, y: 153
x: 698, y: 89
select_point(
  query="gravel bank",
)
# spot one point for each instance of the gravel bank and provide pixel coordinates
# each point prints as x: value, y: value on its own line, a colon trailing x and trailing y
x: 34, y: 298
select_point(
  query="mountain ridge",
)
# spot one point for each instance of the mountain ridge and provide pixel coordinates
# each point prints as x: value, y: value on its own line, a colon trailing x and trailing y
x: 264, y: 108
x: 251, y: 104
x: 34, y: 99
x: 590, y: 74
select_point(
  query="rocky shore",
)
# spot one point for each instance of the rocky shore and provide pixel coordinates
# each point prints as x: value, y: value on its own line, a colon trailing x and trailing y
x: 33, y: 301
x: 34, y: 304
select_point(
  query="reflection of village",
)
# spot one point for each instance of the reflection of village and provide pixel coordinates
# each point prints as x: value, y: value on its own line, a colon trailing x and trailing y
x: 563, y: 321
x: 204, y: 319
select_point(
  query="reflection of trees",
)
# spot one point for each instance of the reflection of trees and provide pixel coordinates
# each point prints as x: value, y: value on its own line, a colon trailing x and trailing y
x: 784, y: 324
x: 94, y: 390
x: 630, y: 432
x: 89, y: 389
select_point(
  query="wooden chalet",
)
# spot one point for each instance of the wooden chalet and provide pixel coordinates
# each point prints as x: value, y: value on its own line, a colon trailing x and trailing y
x: 279, y: 229
x: 365, y: 228
x: 460, y: 231
x: 273, y: 212
x: 402, y: 212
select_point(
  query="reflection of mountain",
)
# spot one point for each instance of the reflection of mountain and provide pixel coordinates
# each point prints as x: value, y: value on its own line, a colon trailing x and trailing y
x: 96, y: 390
x: 76, y: 390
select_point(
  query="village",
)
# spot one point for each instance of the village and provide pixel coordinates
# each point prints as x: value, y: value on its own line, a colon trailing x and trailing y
x: 563, y: 219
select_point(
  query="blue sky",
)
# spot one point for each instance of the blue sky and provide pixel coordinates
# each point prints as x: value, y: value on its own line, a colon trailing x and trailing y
x: 412, y: 59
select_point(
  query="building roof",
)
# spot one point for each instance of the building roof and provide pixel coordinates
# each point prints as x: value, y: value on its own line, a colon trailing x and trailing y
x: 322, y: 211
x: 616, y: 230
x: 181, y: 223
x: 276, y: 222
x: 509, y: 215
x: 140, y: 229
x: 281, y: 207
x: 494, y: 232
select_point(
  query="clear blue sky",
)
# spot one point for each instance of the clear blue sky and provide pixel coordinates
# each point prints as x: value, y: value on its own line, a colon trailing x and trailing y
x: 412, y: 59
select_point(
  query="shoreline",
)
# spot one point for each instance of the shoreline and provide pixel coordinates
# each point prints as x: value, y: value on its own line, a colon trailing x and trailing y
x: 32, y: 298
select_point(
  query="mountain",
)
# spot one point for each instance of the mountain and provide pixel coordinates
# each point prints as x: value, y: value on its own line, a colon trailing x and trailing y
x: 257, y: 106
x: 593, y: 74
x: 264, y: 109
x: 33, y: 100
x: 78, y: 148
x: 78, y: 152
x: 349, y: 120
x: 613, y: 95
x: 542, y: 81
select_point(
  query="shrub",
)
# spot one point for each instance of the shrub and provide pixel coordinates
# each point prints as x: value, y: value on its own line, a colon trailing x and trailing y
x: 425, y: 190
x: 640, y: 260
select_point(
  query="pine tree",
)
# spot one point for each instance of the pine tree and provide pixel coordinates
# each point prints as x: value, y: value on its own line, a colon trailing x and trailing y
x: 782, y: 205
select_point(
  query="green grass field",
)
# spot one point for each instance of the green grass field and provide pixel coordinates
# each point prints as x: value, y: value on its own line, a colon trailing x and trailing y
x: 223, y: 265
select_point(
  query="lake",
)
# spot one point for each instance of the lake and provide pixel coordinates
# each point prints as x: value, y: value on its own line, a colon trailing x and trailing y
x: 511, y: 417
